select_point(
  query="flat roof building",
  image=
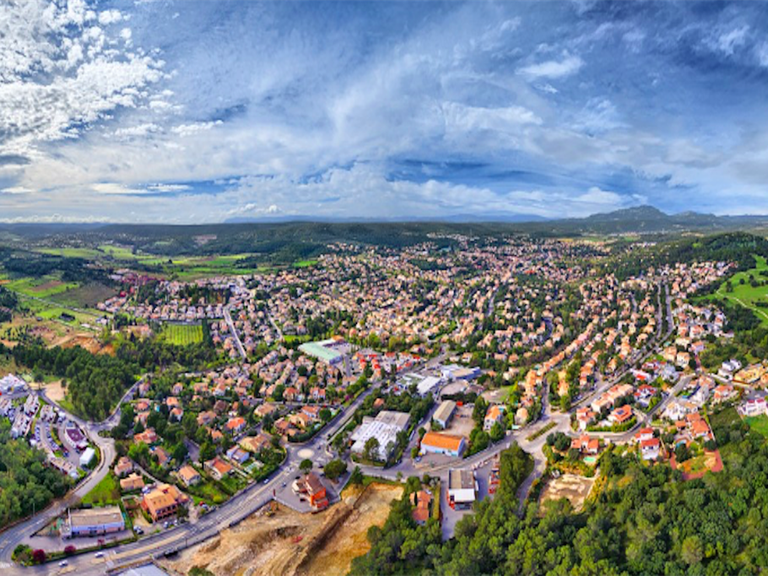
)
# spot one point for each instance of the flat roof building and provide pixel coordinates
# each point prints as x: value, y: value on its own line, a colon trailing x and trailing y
x: 444, y: 413
x: 384, y: 428
x: 95, y: 521
x: 439, y: 443
x: 462, y: 488
x: 323, y: 350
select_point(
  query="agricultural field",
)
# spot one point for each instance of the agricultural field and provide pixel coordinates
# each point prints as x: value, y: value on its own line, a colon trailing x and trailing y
x: 182, y: 334
x: 43, y: 287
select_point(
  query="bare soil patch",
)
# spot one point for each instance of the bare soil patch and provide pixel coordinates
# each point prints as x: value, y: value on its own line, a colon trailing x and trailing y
x: 293, y: 544
x: 574, y: 488
x: 461, y: 424
x: 55, y: 391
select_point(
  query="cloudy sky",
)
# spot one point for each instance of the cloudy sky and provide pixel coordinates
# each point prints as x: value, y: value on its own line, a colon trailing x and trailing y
x: 203, y: 111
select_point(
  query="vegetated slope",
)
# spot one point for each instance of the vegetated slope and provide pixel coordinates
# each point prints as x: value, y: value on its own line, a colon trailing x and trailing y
x: 645, y: 520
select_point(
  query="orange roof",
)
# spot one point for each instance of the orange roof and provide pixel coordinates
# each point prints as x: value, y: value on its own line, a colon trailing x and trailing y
x: 439, y: 440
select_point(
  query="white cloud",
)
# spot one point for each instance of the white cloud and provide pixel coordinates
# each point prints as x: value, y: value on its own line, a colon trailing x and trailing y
x: 728, y: 42
x: 554, y: 69
x: 108, y: 17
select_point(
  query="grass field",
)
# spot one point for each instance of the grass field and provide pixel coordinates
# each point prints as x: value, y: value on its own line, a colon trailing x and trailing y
x: 182, y: 334
x: 744, y: 294
x: 105, y: 492
x: 43, y: 287
x: 758, y: 424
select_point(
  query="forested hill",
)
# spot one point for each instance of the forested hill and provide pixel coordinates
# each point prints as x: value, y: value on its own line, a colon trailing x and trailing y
x: 645, y: 521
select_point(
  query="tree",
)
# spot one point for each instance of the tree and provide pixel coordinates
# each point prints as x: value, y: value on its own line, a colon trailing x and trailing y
x: 335, y: 468
x: 306, y: 465
x: 39, y: 556
x: 478, y: 412
x: 356, y: 477
x: 371, y: 449
x: 497, y: 432
x: 69, y: 550
x: 325, y: 414
x: 692, y: 551
x: 207, y: 451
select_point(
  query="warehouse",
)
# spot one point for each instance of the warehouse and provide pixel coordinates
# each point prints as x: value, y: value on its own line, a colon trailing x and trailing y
x: 95, y: 521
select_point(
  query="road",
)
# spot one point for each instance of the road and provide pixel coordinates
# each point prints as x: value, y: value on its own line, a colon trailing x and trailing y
x: 238, y: 343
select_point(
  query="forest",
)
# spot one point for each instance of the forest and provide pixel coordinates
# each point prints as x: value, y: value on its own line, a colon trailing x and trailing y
x: 644, y: 520
x: 26, y: 483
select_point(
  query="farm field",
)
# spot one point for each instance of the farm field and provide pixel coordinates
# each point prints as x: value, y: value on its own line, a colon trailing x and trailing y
x: 43, y: 287
x: 182, y: 334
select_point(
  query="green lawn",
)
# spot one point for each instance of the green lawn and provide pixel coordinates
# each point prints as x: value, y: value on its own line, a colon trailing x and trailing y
x: 744, y: 294
x: 105, y: 492
x: 182, y: 334
x: 759, y: 424
x: 42, y: 287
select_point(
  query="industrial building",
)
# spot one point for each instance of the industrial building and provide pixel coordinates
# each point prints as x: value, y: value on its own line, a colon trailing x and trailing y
x: 462, y: 488
x: 384, y: 428
x: 94, y: 521
x: 444, y: 413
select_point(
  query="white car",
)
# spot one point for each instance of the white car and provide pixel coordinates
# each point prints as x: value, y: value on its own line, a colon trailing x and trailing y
x: 63, y: 563
x: 98, y: 555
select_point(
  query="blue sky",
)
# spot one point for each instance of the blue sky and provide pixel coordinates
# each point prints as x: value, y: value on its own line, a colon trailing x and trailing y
x: 185, y: 111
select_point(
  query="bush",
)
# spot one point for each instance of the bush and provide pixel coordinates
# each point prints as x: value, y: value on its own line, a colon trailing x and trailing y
x: 70, y: 550
x: 39, y: 556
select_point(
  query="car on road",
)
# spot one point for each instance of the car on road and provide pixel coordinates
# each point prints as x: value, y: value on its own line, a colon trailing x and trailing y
x: 99, y: 555
x: 63, y: 563
x: 266, y: 481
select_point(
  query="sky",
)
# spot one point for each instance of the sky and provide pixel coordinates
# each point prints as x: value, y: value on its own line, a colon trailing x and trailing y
x: 184, y: 111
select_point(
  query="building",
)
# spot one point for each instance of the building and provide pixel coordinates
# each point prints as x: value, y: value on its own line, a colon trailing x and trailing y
x: 621, y: 415
x: 384, y: 428
x: 753, y: 407
x: 87, y: 457
x: 237, y: 454
x: 492, y: 416
x: 440, y: 443
x: 650, y: 448
x: 255, y: 444
x: 218, y: 468
x: 163, y: 501
x: 124, y: 466
x: 444, y: 413
x: 188, y: 475
x: 422, y: 506
x: 324, y: 351
x: 462, y: 488
x: 313, y: 488
x: 131, y: 483
x: 94, y: 522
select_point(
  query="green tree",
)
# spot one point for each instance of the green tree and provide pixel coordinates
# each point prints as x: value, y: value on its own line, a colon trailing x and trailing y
x: 335, y: 468
x: 306, y: 465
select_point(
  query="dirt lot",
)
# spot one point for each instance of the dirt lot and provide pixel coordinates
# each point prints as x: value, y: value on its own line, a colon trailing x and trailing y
x: 88, y: 342
x: 461, y: 424
x: 291, y: 544
x: 570, y: 486
x: 54, y: 391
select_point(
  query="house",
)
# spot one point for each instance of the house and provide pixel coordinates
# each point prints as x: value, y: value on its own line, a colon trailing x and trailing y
x: 724, y: 392
x: 585, y: 416
x: 163, y: 501
x: 218, y: 468
x: 314, y: 489
x: 312, y: 412
x: 162, y: 455
x: 256, y: 444
x: 621, y: 415
x: 650, y: 448
x: 440, y: 443
x: 265, y: 409
x: 205, y: 418
x: 493, y: 415
x: 188, y: 475
x: 444, y: 413
x: 124, y: 466
x: 236, y: 425
x: 422, y: 505
x: 131, y: 483
x: 586, y: 445
x: 94, y: 522
x: 753, y: 407
x: 237, y: 454
x: 643, y: 434
x: 149, y: 437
